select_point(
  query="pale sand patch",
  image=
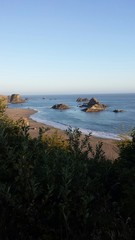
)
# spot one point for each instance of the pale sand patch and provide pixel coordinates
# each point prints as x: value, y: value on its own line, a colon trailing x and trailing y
x: 109, y: 146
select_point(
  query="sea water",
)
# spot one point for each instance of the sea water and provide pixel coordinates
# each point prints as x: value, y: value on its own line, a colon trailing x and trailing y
x: 106, y: 124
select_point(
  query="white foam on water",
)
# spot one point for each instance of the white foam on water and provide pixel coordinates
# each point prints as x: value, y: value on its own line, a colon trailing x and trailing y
x: 84, y: 131
x: 101, y: 134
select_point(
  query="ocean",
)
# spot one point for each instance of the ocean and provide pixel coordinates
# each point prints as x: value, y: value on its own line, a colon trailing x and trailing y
x: 105, y: 124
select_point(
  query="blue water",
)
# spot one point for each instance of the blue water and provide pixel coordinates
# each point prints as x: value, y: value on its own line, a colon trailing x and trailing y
x: 105, y: 124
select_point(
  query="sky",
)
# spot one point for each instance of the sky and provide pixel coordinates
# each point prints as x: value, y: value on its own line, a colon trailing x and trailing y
x: 67, y: 46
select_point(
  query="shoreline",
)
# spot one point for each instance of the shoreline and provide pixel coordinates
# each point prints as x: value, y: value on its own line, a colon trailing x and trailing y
x: 109, y: 145
x: 63, y: 127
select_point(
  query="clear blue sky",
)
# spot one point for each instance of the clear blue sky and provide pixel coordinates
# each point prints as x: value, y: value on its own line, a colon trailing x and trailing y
x: 67, y: 46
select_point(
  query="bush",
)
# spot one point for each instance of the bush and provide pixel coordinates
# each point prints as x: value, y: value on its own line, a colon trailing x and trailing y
x: 3, y: 104
x: 50, y: 192
x: 54, y: 140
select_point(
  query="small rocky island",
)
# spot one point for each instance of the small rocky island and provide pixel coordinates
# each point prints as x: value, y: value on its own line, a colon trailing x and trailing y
x: 82, y: 99
x: 60, y: 106
x: 16, y: 98
x: 94, y: 106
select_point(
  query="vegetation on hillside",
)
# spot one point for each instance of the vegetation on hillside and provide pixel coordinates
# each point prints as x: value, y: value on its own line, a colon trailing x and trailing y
x: 51, y: 192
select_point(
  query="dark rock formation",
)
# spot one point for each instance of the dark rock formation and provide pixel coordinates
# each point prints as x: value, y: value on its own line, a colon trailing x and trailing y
x: 16, y: 98
x: 94, y: 106
x: 84, y: 105
x: 82, y: 99
x: 118, y: 110
x: 60, y: 106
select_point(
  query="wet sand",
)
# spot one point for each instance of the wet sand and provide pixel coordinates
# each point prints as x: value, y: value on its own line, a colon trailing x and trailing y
x: 109, y: 145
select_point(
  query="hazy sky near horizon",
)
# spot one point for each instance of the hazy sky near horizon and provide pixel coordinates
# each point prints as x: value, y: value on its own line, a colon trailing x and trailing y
x: 67, y: 46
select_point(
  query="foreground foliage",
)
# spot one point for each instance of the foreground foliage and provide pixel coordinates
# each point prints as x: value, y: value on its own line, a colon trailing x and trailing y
x: 50, y: 192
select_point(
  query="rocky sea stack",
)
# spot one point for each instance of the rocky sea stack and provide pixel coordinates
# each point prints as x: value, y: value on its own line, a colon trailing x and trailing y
x: 82, y: 99
x: 16, y: 98
x: 94, y: 106
x: 60, y: 106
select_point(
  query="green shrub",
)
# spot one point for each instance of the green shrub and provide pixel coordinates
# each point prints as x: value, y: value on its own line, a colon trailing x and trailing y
x: 55, y: 140
x: 3, y: 105
x: 48, y: 192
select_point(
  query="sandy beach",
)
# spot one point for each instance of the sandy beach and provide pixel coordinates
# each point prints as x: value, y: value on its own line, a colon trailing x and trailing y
x: 109, y: 146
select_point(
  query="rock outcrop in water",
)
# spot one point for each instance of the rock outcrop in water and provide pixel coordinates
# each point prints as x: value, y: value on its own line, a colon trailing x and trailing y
x: 94, y: 106
x: 82, y: 99
x: 118, y: 110
x: 16, y: 98
x: 60, y: 106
